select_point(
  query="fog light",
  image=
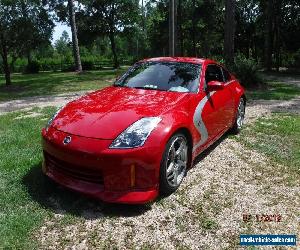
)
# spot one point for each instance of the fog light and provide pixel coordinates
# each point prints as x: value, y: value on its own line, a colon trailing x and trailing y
x: 132, y: 175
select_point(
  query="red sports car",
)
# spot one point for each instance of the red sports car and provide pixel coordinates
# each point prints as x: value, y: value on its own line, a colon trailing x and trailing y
x: 132, y: 141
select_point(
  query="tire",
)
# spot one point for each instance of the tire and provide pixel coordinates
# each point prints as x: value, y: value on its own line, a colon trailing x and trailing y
x: 240, y: 116
x: 174, y: 164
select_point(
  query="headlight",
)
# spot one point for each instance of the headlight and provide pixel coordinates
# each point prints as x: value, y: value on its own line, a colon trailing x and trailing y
x: 136, y: 135
x: 52, y: 118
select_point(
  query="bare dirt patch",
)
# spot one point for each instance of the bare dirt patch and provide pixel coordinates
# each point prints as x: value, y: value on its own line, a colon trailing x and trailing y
x: 263, y: 108
x: 38, y: 101
x: 293, y: 80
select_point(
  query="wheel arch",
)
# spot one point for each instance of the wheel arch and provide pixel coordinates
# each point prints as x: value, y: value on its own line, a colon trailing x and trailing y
x: 244, y: 97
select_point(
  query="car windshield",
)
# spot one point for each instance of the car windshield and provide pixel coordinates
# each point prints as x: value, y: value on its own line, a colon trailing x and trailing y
x: 163, y: 76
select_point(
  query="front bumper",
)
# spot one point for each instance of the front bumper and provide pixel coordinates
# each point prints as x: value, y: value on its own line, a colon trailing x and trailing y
x: 88, y: 166
x: 98, y: 191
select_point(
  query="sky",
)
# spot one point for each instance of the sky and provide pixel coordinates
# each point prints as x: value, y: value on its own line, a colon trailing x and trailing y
x: 58, y: 30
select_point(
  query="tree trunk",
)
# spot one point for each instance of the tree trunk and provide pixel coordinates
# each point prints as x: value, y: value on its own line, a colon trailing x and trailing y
x: 143, y: 16
x: 229, y: 31
x: 29, y: 58
x: 277, y: 23
x: 74, y: 36
x: 12, y: 63
x: 268, y: 34
x: 6, y: 68
x: 194, y: 29
x: 277, y: 48
x: 180, y: 27
x: 255, y: 55
x: 113, y: 49
x: 172, y: 28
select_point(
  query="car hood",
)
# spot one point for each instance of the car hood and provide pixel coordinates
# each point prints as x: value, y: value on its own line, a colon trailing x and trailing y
x: 104, y: 114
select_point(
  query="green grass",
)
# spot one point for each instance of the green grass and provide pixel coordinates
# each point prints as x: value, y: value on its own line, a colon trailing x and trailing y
x: 48, y: 83
x: 204, y: 220
x: 20, y: 152
x: 278, y: 137
x: 27, y: 197
x: 274, y: 91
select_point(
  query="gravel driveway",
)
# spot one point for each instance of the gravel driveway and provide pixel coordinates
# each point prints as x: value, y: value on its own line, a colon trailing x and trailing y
x: 227, y: 181
x: 38, y: 101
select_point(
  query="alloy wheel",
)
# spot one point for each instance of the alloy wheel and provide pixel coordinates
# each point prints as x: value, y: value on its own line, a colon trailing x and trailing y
x: 241, y: 114
x: 177, y: 161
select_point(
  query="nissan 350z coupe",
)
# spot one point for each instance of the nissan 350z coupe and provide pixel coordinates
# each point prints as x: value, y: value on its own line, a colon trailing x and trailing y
x: 132, y: 141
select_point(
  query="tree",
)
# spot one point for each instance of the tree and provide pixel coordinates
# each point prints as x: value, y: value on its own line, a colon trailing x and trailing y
x: 268, y: 33
x: 277, y: 31
x: 180, y: 36
x: 62, y: 45
x: 4, y: 55
x: 157, y: 28
x: 74, y: 36
x: 248, y: 28
x: 107, y: 18
x: 229, y: 31
x: 24, y: 25
x: 65, y: 12
x: 172, y: 27
x: 194, y: 29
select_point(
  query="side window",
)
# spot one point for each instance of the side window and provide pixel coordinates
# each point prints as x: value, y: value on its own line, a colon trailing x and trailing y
x: 226, y: 74
x: 213, y: 73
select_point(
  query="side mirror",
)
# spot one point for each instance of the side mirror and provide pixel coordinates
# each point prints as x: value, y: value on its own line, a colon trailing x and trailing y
x: 214, y: 85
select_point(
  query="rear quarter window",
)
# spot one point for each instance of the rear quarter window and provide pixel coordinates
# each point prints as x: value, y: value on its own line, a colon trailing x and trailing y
x: 227, y: 76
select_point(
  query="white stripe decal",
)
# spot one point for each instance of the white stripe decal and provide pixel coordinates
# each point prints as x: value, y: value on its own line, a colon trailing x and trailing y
x: 198, y: 122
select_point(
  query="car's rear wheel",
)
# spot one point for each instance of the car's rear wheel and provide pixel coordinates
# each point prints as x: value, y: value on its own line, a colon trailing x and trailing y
x: 240, y: 116
x: 174, y: 164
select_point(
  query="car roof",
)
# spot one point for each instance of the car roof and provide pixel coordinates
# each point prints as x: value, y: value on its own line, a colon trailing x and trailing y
x: 179, y: 59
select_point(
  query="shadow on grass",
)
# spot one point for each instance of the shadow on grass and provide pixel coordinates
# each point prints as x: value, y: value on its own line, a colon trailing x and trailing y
x: 47, y: 83
x: 275, y: 91
x: 59, y: 200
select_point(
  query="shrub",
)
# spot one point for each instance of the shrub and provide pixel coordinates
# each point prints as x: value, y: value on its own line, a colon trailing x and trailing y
x: 246, y: 70
x: 296, y: 63
x: 32, y: 67
x: 20, y: 65
x: 50, y: 64
x: 87, y: 65
x: 68, y: 67
x: 218, y: 58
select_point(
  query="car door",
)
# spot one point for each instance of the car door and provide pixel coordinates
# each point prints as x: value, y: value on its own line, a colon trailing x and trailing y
x: 229, y: 85
x: 220, y: 102
x: 213, y: 109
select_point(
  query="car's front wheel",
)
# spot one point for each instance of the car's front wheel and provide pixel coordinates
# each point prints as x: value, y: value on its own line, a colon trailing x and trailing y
x: 174, y: 164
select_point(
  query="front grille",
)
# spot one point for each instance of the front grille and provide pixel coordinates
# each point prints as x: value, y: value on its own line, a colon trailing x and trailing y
x: 73, y: 171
